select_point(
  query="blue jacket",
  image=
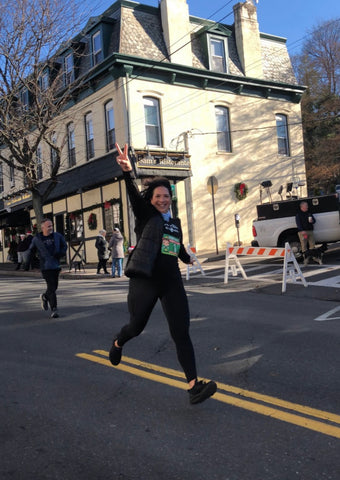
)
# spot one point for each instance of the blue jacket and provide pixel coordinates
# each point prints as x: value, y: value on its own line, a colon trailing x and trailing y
x: 49, y: 261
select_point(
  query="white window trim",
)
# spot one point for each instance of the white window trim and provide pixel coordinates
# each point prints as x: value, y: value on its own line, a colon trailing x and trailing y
x: 223, y: 40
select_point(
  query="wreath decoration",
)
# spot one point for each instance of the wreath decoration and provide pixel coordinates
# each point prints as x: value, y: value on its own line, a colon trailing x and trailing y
x: 241, y: 190
x: 92, y: 221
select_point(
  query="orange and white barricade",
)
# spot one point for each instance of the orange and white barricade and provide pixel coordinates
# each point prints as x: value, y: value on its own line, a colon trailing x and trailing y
x: 291, y: 268
x: 196, y: 266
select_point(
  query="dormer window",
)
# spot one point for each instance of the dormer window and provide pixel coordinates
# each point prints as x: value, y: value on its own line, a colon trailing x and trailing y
x: 1, y: 179
x: 97, y: 48
x: 24, y: 99
x: 44, y: 81
x: 218, y: 49
x: 68, y: 69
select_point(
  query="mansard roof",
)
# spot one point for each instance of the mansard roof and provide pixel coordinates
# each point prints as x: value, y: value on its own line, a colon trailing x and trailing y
x: 140, y: 34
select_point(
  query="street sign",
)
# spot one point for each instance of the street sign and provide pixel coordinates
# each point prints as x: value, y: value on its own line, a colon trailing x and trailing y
x: 212, y: 185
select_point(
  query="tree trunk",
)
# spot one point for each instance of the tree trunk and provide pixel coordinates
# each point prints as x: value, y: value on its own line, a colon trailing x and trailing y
x: 38, y: 208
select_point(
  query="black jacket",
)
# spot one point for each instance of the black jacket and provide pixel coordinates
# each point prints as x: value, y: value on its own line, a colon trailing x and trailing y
x: 149, y: 231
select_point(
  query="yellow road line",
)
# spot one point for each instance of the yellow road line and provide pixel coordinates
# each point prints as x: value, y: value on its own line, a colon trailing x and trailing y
x: 312, y: 412
x: 259, y: 408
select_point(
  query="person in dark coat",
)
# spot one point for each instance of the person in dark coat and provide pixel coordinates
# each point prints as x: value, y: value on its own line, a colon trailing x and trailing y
x: 23, y: 250
x: 51, y: 246
x: 102, y: 247
x: 154, y: 274
x: 305, y: 221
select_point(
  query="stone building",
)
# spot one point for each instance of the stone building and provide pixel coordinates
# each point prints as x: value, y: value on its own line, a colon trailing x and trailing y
x: 214, y: 107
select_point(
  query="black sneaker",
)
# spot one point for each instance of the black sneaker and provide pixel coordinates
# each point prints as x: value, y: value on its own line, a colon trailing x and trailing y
x: 201, y: 391
x: 115, y: 354
x: 54, y: 313
x: 44, y: 302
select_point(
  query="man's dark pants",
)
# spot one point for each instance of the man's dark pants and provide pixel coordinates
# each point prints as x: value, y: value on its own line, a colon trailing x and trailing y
x: 51, y: 277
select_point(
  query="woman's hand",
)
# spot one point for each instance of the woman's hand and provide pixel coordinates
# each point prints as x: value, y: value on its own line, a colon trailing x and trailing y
x: 123, y: 159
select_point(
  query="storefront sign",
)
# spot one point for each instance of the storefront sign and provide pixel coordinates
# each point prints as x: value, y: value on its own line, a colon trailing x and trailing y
x: 17, y: 199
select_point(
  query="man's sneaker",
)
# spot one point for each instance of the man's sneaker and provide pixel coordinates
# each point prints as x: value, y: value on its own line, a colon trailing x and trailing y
x: 115, y: 354
x: 201, y: 391
x: 44, y: 302
x: 54, y: 313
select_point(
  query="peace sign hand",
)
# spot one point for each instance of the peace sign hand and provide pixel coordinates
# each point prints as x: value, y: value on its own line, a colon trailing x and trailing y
x: 123, y: 159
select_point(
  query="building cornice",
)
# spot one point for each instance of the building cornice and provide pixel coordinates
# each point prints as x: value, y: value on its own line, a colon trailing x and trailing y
x: 121, y: 65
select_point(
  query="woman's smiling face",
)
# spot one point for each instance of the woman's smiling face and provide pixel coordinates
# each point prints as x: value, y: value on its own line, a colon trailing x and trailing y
x: 161, y: 199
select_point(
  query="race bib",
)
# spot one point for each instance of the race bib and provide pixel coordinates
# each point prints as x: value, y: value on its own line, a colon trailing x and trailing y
x: 170, y: 245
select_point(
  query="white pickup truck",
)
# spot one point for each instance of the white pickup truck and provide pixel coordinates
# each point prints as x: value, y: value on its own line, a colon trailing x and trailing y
x: 275, y: 223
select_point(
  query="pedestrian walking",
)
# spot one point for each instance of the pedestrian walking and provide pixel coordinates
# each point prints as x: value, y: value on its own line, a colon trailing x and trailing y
x: 154, y: 274
x: 116, y: 245
x: 23, y: 250
x: 103, y: 252
x: 51, y: 246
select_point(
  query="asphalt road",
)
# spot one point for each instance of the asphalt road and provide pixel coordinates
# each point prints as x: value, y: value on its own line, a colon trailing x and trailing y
x: 66, y: 413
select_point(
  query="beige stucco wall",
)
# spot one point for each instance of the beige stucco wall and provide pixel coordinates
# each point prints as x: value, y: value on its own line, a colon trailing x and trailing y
x: 254, y: 156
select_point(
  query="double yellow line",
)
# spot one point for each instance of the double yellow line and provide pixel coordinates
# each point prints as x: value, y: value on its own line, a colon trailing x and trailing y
x: 320, y: 421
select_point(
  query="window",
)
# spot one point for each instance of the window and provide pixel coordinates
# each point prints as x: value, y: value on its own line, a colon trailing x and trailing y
x: 1, y: 179
x: 44, y: 81
x: 24, y: 99
x: 89, y: 136
x: 109, y: 126
x: 282, y: 134
x: 71, y: 145
x: 12, y: 175
x: 68, y: 69
x: 75, y: 226
x: 53, y: 152
x: 223, y: 129
x: 152, y: 121
x: 218, y: 57
x: 38, y: 163
x: 97, y: 52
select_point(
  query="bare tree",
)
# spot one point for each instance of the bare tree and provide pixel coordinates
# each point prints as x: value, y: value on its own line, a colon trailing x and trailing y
x: 318, y: 67
x: 32, y: 87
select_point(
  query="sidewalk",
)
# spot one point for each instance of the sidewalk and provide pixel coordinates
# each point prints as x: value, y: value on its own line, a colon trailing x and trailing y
x: 89, y: 271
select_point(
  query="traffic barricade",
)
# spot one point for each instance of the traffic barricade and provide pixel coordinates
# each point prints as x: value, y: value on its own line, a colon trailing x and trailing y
x: 196, y: 265
x: 291, y: 269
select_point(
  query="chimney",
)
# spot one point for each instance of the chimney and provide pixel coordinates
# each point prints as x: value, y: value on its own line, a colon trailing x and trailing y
x: 176, y: 30
x: 247, y: 36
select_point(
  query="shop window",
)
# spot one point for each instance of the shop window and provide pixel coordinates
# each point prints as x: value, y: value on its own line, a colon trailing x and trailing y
x: 74, y: 230
x: 111, y: 216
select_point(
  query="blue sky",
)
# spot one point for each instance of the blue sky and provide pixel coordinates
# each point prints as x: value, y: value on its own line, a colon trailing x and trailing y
x: 292, y: 19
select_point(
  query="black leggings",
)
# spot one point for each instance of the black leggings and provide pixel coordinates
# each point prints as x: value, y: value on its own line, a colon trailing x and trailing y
x: 51, y: 277
x: 142, y: 297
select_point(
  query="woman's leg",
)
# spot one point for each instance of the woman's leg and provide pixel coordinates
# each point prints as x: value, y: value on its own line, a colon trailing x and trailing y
x: 120, y: 267
x: 113, y: 268
x: 175, y: 306
x: 142, y: 298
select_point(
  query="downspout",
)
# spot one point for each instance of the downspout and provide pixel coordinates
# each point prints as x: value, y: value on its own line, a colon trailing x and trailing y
x: 131, y: 220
